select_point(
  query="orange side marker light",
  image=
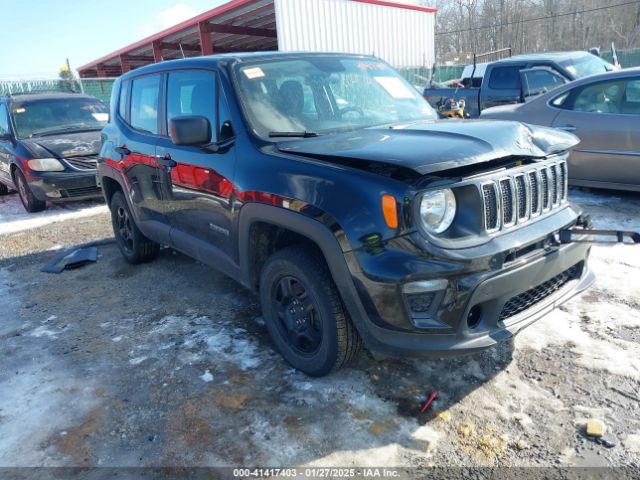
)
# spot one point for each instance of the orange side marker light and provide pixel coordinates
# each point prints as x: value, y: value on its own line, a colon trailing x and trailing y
x: 390, y: 210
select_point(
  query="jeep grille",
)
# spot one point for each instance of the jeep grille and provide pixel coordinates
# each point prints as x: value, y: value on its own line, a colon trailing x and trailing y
x: 516, y: 199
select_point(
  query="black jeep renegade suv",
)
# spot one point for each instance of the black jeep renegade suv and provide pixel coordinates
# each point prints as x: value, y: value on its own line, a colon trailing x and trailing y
x: 324, y: 182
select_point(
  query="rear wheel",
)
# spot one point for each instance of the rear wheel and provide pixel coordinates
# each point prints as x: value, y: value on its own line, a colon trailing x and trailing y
x: 3, y: 189
x: 30, y: 202
x: 134, y: 246
x: 304, y: 314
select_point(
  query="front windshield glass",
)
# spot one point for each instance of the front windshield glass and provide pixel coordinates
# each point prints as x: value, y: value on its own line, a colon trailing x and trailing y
x: 318, y: 95
x: 587, y: 65
x: 49, y: 117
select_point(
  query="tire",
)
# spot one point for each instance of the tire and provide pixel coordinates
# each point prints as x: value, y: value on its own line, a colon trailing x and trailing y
x: 4, y: 190
x: 304, y: 314
x: 134, y: 246
x: 30, y: 202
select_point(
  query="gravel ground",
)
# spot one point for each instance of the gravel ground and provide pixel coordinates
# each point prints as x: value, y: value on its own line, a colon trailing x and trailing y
x: 169, y: 364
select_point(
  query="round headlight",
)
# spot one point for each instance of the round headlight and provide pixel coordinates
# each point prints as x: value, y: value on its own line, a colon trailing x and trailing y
x: 437, y: 210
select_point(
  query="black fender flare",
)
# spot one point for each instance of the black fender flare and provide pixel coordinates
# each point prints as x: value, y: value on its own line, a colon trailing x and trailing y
x: 315, y: 232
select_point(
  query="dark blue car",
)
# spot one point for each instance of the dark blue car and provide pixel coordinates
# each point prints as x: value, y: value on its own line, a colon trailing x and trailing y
x: 49, y: 144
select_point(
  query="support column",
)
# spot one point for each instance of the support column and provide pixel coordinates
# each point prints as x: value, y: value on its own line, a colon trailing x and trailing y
x: 206, y: 45
x: 124, y: 63
x: 157, y: 51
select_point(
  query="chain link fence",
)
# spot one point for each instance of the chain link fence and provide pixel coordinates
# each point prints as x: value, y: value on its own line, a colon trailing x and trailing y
x: 98, y: 87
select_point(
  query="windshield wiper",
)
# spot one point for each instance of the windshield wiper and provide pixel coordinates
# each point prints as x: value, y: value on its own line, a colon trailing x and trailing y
x: 70, y: 128
x: 304, y: 134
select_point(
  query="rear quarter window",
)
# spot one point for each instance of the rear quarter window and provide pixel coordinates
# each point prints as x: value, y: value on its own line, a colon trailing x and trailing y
x: 122, y: 101
x: 505, y: 78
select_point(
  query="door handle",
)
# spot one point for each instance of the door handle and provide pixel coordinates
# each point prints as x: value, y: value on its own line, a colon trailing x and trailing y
x: 166, y: 161
x: 567, y: 128
x: 123, y: 150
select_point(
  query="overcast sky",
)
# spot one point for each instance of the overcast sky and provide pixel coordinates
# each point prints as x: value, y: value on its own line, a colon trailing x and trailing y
x: 38, y: 35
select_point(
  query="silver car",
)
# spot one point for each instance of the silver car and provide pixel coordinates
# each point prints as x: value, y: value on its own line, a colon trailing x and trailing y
x: 604, y: 111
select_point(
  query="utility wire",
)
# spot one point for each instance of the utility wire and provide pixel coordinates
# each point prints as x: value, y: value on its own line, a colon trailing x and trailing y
x: 536, y: 19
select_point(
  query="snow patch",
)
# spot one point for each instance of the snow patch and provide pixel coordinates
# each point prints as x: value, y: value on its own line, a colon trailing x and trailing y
x: 632, y: 442
x: 15, y: 219
x: 427, y: 434
x: 43, y: 331
x: 137, y: 360
x: 207, y: 377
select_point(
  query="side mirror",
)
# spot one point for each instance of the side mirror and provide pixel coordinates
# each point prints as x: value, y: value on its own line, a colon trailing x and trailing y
x: 190, y: 130
x: 5, y: 137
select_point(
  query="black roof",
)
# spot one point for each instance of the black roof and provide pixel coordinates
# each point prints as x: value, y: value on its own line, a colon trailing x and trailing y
x: 215, y: 60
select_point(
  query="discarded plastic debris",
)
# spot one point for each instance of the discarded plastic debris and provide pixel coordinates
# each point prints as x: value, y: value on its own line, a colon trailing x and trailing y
x: 433, y: 395
x: 71, y: 259
x: 595, y: 428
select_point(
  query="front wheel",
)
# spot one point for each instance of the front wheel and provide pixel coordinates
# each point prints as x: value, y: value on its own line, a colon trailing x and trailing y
x: 304, y: 314
x: 134, y: 246
x: 29, y: 200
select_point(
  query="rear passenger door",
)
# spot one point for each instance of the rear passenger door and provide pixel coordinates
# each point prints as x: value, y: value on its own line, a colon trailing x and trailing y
x: 201, y: 181
x: 140, y: 101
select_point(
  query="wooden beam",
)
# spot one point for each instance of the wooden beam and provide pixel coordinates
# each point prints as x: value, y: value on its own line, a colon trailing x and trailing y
x: 101, y: 71
x: 237, y: 30
x: 206, y: 45
x: 156, y: 47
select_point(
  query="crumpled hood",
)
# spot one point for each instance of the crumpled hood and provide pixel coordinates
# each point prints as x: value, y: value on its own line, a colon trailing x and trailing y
x: 64, y: 145
x: 432, y: 146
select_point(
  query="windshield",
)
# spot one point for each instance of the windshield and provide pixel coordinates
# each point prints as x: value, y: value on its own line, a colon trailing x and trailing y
x: 319, y: 95
x: 587, y: 65
x: 48, y: 117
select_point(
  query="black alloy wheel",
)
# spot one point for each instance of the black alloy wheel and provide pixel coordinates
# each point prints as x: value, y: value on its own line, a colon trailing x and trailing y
x: 298, y: 319
x: 134, y: 246
x: 304, y: 314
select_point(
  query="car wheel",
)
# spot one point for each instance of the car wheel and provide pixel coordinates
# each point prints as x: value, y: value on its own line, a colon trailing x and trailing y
x: 3, y: 189
x: 134, y: 246
x: 304, y: 314
x: 30, y: 202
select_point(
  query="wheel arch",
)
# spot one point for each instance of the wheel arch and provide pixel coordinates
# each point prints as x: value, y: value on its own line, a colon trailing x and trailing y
x: 305, y: 228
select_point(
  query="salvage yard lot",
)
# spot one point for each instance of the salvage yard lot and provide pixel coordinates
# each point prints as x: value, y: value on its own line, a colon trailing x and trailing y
x: 169, y: 364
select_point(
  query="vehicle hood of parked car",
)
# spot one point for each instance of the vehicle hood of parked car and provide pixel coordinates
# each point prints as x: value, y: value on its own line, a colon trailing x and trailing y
x: 431, y: 146
x: 64, y: 145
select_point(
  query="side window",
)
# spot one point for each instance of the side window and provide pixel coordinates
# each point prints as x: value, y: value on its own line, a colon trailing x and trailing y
x: 539, y: 80
x: 505, y: 78
x: 604, y: 97
x: 192, y: 93
x: 122, y: 101
x: 561, y: 100
x: 145, y: 92
x: 630, y: 104
x: 4, y: 120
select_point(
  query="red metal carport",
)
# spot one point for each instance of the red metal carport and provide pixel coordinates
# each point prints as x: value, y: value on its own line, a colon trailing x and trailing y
x: 239, y: 25
x: 250, y: 25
